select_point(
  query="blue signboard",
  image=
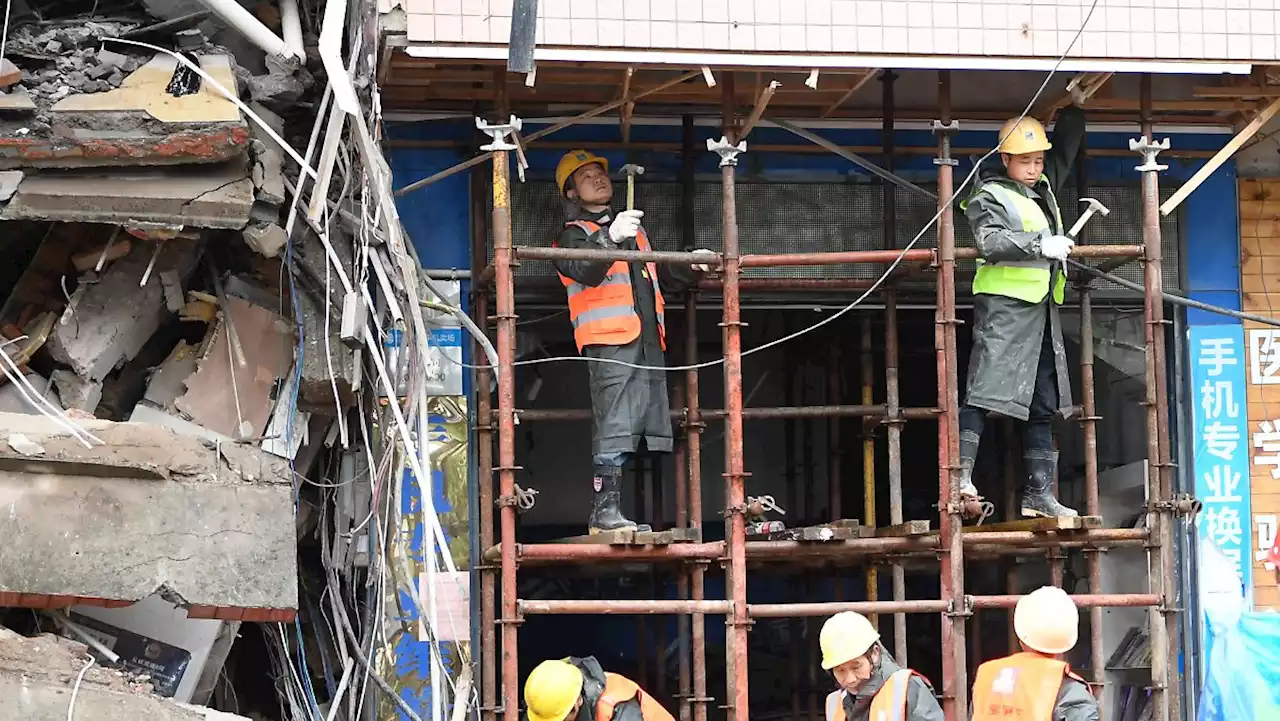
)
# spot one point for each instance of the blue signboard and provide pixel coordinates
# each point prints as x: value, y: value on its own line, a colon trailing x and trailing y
x: 1221, y: 455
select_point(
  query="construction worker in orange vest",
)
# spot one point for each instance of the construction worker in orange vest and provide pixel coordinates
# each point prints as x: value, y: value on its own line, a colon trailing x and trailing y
x: 872, y: 685
x: 558, y: 690
x: 1036, y: 684
x: 616, y: 309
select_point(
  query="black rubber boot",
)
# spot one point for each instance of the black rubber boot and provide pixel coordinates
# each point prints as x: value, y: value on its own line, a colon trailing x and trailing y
x: 1038, y: 500
x: 606, y: 505
x: 973, y: 504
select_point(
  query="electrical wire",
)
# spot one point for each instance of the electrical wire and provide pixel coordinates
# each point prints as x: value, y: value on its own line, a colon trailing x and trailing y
x: 75, y: 690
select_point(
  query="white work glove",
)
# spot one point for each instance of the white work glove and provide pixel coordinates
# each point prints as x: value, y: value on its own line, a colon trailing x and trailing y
x: 702, y: 267
x: 625, y: 225
x: 1056, y: 247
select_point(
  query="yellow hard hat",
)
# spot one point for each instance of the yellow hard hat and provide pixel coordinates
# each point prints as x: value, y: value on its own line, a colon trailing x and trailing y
x: 551, y: 690
x: 1023, y: 135
x: 845, y: 636
x: 573, y: 160
x: 1046, y: 620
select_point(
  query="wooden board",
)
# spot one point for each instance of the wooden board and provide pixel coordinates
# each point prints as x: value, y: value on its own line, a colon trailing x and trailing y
x: 910, y: 528
x: 637, y: 538
x: 842, y: 530
x: 1040, y: 525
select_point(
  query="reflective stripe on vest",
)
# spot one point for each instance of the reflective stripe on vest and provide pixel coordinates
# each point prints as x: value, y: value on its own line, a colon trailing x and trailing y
x: 605, y: 314
x: 620, y: 689
x: 1023, y: 686
x: 1026, y: 280
x: 889, y: 703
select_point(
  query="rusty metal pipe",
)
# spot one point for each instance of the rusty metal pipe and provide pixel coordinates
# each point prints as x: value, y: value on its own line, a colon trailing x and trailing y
x: 626, y: 607
x: 1100, y: 600
x: 506, y: 316
x: 484, y: 467
x: 694, y: 425
x: 774, y: 260
x: 954, y: 671
x: 718, y: 414
x: 735, y: 492
x: 798, y: 610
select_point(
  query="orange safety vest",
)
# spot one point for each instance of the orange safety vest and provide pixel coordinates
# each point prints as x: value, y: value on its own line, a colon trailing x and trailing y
x: 620, y: 689
x: 889, y: 703
x: 606, y: 314
x: 1021, y: 687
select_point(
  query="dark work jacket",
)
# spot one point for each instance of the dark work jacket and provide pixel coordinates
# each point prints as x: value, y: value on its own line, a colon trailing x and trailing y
x: 629, y: 405
x: 1007, y: 332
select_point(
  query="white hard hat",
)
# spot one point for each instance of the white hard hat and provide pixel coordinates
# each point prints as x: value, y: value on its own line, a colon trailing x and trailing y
x: 844, y: 637
x: 1047, y: 620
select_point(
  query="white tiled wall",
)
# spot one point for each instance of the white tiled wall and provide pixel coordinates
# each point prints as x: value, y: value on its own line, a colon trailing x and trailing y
x: 1181, y: 29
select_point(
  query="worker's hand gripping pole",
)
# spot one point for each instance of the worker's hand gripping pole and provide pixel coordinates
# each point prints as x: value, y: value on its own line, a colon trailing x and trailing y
x: 631, y: 170
x: 1095, y: 206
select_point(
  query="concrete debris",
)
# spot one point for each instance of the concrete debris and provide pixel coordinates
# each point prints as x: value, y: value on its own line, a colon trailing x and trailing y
x: 278, y: 89
x: 210, y: 522
x: 174, y: 299
x: 268, y: 173
x: 76, y: 392
x: 89, y: 259
x: 36, y: 674
x: 266, y: 238
x: 218, y: 196
x: 124, y: 315
x: 190, y: 39
x: 24, y: 445
x: 12, y: 400
x: 9, y: 180
x: 10, y: 75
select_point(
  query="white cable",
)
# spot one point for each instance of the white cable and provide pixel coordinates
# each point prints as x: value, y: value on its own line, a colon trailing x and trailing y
x: 858, y: 301
x: 328, y: 347
x: 75, y: 690
x: 42, y: 404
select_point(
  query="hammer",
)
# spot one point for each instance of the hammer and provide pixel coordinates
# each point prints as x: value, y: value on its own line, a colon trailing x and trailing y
x: 631, y: 170
x: 1094, y: 207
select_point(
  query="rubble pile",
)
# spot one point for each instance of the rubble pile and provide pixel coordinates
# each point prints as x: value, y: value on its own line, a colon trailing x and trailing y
x: 65, y: 60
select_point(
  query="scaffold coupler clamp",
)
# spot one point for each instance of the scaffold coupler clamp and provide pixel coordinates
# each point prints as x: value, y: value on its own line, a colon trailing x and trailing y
x: 728, y: 152
x: 946, y: 130
x: 1149, y: 149
x: 963, y: 609
x: 499, y: 133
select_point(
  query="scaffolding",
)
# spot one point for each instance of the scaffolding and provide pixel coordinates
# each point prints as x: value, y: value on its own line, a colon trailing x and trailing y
x: 950, y: 543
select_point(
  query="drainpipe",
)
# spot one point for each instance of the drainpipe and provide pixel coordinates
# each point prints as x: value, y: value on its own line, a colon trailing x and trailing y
x: 241, y: 19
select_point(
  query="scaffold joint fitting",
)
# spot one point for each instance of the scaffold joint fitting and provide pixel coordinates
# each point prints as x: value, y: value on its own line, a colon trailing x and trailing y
x: 965, y: 610
x: 727, y: 151
x: 499, y: 133
x: 1149, y: 149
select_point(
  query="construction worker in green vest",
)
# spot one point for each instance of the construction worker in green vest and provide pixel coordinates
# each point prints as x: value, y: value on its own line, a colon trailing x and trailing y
x: 1018, y: 366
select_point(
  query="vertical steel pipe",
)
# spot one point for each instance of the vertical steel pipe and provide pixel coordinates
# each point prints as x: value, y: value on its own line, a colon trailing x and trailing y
x: 893, y: 404
x: 954, y: 671
x: 867, y: 369
x: 1011, y: 484
x: 484, y: 460
x: 682, y: 574
x: 835, y: 445
x: 506, y: 319
x: 693, y: 426
x: 795, y: 626
x: 1089, y: 427
x: 1164, y: 654
x: 735, y: 493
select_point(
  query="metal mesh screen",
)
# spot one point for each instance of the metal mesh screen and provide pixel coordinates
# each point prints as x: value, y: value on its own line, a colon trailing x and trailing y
x: 813, y: 217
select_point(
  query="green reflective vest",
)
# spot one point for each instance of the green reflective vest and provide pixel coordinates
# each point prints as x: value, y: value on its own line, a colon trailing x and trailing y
x: 1026, y: 280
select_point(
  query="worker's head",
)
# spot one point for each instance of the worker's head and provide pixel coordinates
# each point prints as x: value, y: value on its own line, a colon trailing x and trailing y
x: 583, y: 178
x: 553, y: 692
x: 850, y: 649
x: 1047, y: 621
x: 1022, y: 145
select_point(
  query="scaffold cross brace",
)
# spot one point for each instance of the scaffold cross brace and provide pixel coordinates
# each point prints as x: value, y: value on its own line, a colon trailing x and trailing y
x: 1149, y: 149
x: 728, y: 153
x: 499, y: 133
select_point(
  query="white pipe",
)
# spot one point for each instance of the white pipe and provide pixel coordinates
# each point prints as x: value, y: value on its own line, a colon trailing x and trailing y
x: 241, y: 19
x: 291, y: 28
x: 331, y: 27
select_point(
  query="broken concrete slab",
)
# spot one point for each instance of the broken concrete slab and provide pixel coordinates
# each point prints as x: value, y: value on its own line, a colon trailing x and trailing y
x: 167, y: 382
x: 38, y: 673
x: 201, y: 197
x: 268, y: 173
x: 117, y: 316
x: 266, y: 239
x: 77, y: 392
x: 223, y: 395
x: 145, y: 90
x: 9, y: 180
x: 10, y: 75
x: 209, y: 525
x: 17, y: 100
x: 13, y: 401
